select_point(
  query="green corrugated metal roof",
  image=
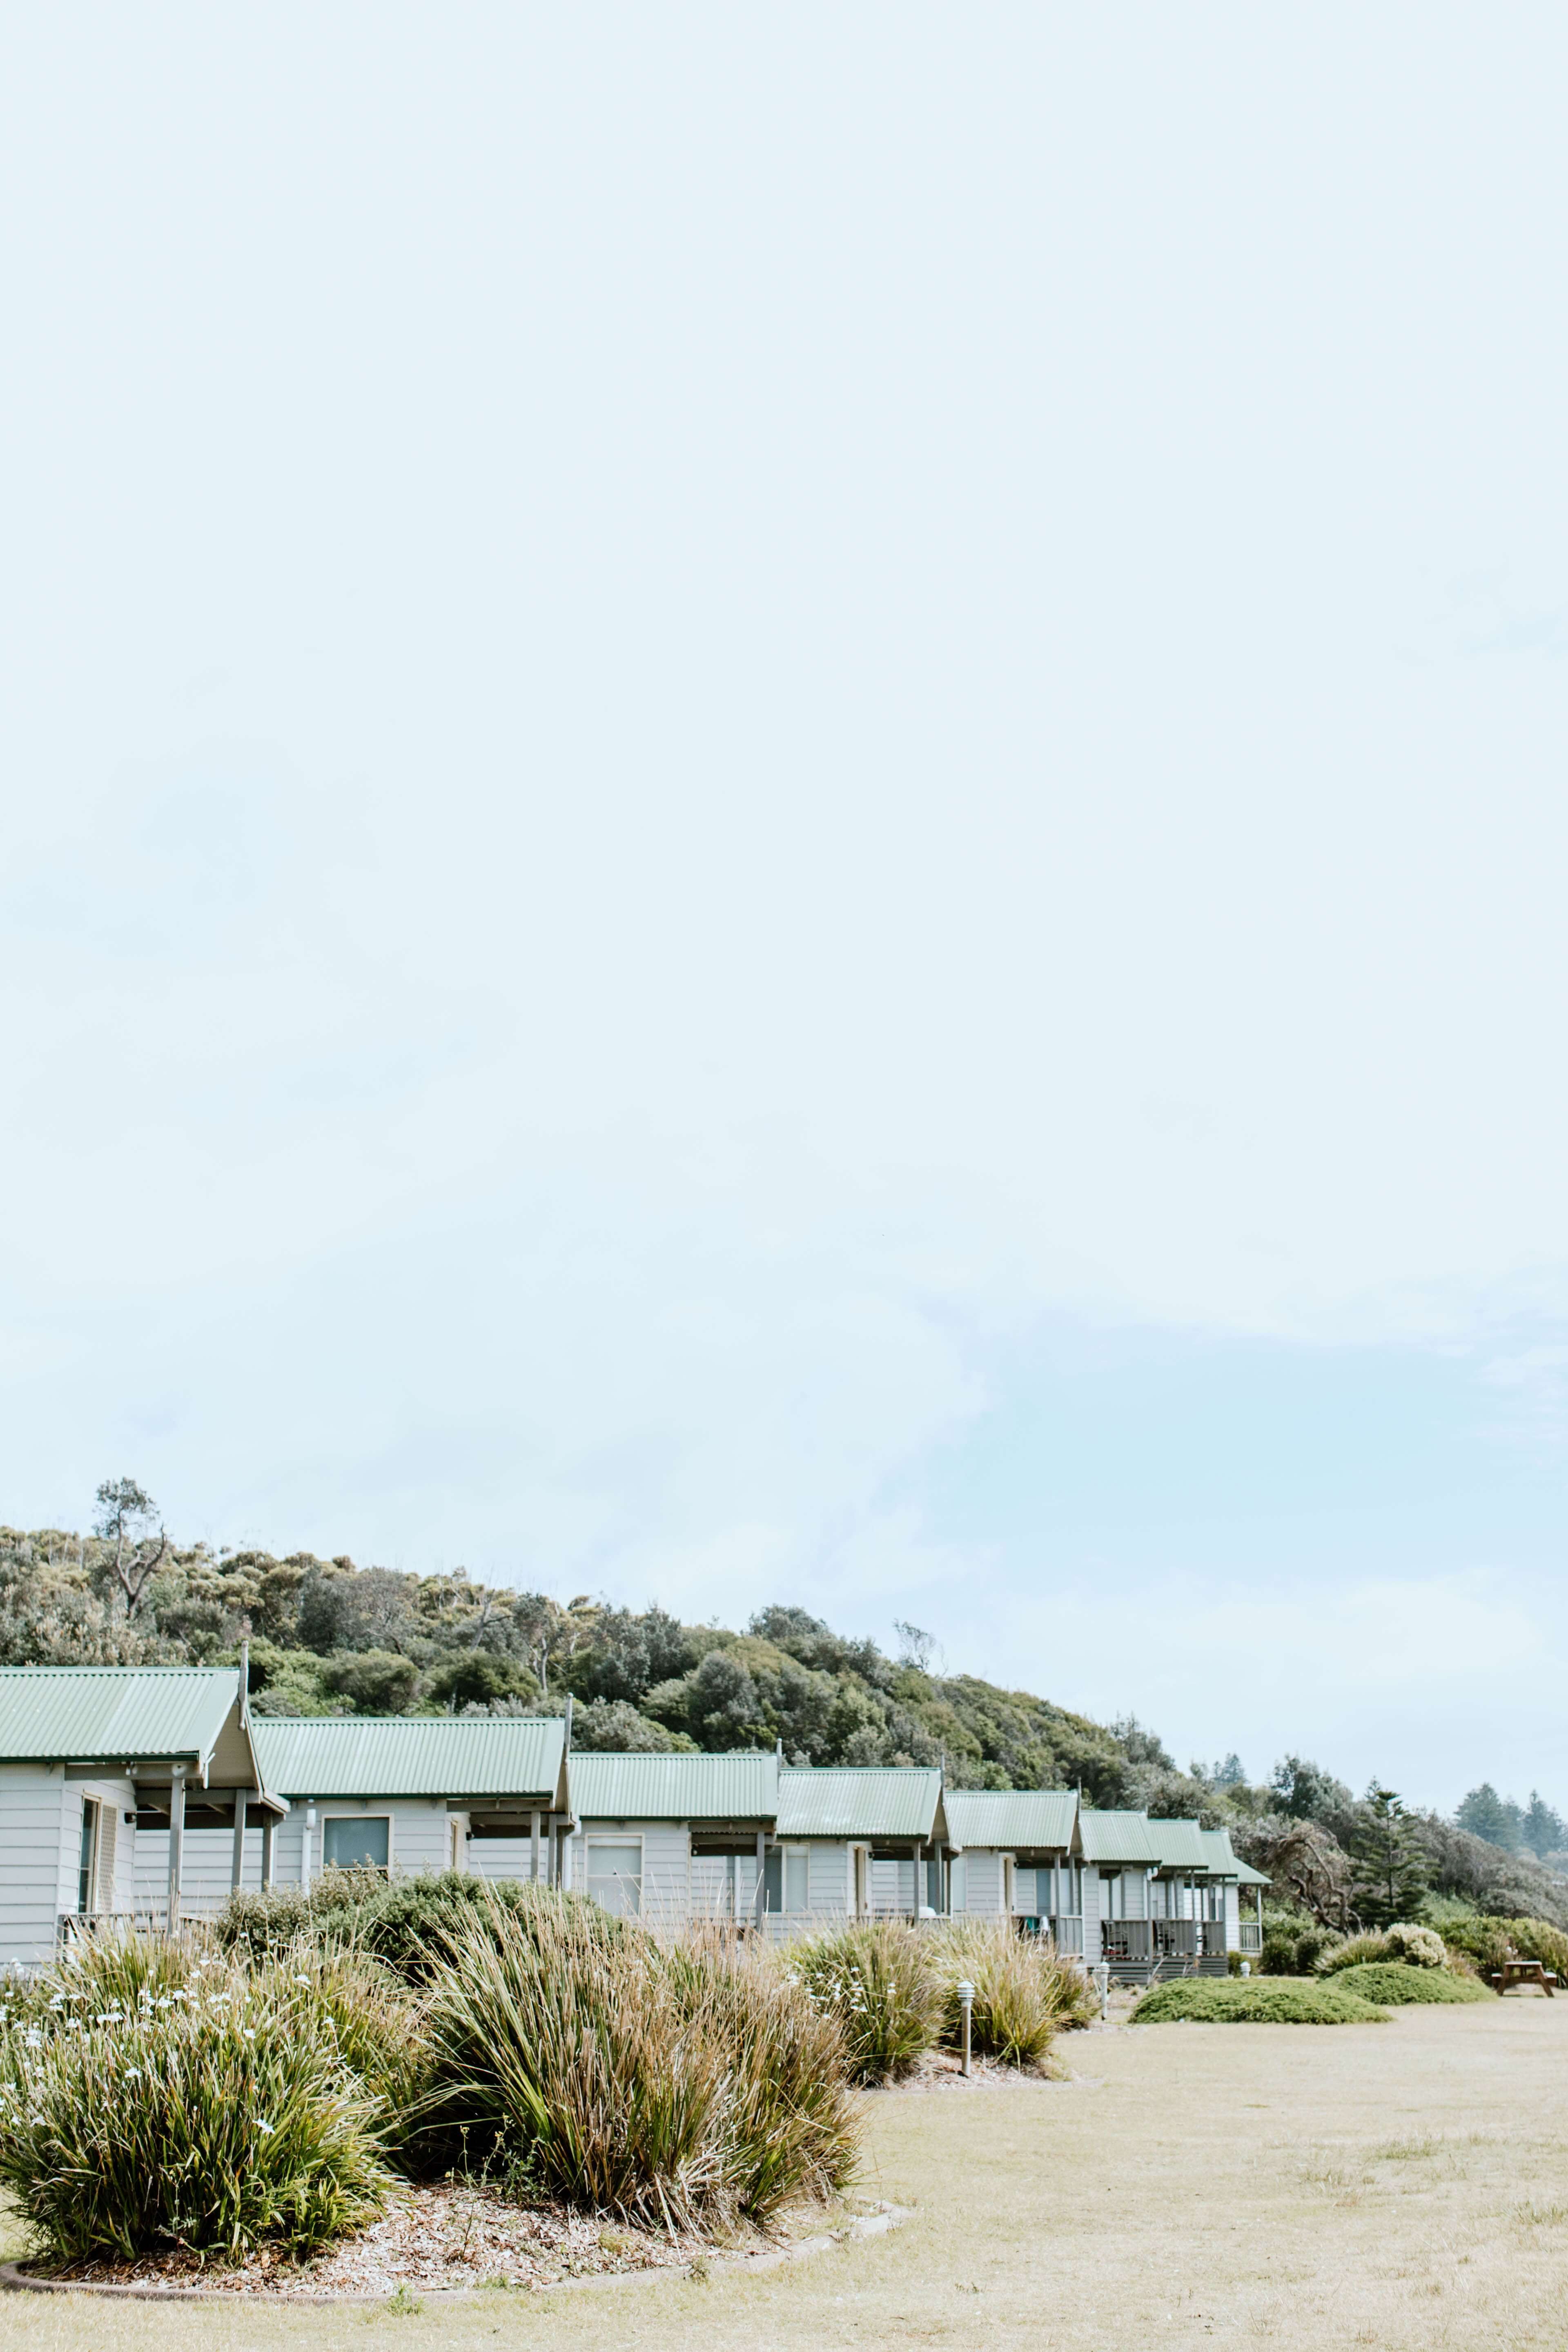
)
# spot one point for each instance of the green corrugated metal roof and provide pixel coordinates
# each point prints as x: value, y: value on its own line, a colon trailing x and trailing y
x: 1012, y: 1817
x: 411, y: 1756
x: 1179, y: 1844
x: 1222, y: 1862
x: 610, y: 1786
x: 1116, y: 1837
x: 1247, y: 1877
x: 88, y: 1713
x: 889, y: 1802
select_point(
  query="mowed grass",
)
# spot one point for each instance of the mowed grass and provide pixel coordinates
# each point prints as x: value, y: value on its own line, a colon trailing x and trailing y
x: 1396, y: 2185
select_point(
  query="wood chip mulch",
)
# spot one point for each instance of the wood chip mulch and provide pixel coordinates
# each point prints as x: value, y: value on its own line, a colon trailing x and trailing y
x: 441, y: 2238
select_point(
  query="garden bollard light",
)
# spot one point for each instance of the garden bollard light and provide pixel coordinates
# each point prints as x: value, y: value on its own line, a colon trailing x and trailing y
x: 966, y: 2004
x: 1103, y: 1986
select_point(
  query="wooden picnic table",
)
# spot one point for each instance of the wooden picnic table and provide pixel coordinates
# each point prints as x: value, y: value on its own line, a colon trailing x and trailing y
x: 1518, y: 1972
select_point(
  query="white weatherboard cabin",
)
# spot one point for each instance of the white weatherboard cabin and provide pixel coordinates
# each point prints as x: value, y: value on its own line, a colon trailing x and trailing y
x: 858, y: 1843
x: 674, y: 1837
x: 110, y: 1777
x: 1018, y: 1856
x: 406, y: 1793
x: 1167, y: 1894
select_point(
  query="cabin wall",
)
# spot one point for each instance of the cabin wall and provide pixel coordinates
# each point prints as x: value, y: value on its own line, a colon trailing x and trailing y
x: 508, y: 1857
x: 40, y: 1812
x: 666, y: 1868
x: 709, y: 1884
x: 892, y: 1888
x: 983, y: 1882
x: 420, y: 1841
x: 1233, y: 1919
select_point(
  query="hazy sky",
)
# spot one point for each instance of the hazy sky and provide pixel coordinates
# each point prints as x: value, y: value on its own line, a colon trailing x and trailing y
x: 784, y: 819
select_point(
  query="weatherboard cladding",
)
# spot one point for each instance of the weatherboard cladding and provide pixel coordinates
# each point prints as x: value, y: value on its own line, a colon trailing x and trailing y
x: 1110, y: 1838
x: 1016, y: 1820
x: 120, y: 1713
x: 889, y: 1802
x: 608, y: 1786
x: 412, y: 1756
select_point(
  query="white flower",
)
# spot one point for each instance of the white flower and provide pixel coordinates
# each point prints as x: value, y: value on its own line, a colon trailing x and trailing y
x: 260, y: 2125
x: 133, y: 2074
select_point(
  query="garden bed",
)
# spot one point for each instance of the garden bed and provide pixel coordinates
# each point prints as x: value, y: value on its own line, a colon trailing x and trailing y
x: 452, y: 2238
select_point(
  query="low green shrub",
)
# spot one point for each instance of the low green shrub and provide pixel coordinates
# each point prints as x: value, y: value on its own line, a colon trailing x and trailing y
x: 220, y: 2115
x: 404, y: 1922
x: 1486, y: 1941
x: 881, y: 1980
x: 1024, y: 1993
x: 1538, y: 1939
x: 1232, y: 2000
x: 1294, y: 1943
x: 684, y: 2086
x: 1396, y: 1983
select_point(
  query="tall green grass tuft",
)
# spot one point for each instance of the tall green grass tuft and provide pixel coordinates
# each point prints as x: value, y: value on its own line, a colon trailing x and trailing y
x: 881, y: 1980
x: 788, y: 2115
x: 670, y: 2088
x: 1024, y: 1993
x: 219, y: 2115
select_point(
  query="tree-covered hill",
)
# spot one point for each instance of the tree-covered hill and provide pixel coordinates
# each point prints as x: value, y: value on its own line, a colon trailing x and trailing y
x: 327, y: 1637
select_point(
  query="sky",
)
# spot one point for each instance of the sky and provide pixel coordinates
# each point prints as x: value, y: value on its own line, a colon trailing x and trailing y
x: 784, y: 820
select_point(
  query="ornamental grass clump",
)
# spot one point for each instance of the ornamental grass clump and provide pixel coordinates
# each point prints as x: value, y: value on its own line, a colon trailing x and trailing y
x: 670, y: 2088
x: 881, y: 1980
x: 1024, y: 1993
x: 1354, y: 1952
x: 788, y: 2115
x: 216, y: 2118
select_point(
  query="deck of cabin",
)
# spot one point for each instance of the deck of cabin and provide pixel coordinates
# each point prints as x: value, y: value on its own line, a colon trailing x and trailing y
x: 1148, y: 1951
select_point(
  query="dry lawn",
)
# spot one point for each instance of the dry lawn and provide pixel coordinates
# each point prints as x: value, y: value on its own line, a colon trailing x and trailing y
x: 1396, y: 2185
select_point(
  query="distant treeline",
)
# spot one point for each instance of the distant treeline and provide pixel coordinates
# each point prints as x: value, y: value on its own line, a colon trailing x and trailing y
x: 327, y: 1637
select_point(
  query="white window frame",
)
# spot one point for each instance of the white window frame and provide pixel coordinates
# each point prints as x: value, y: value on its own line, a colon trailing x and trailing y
x: 1009, y: 1884
x: 325, y: 1813
x: 623, y: 1838
x: 861, y: 1897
